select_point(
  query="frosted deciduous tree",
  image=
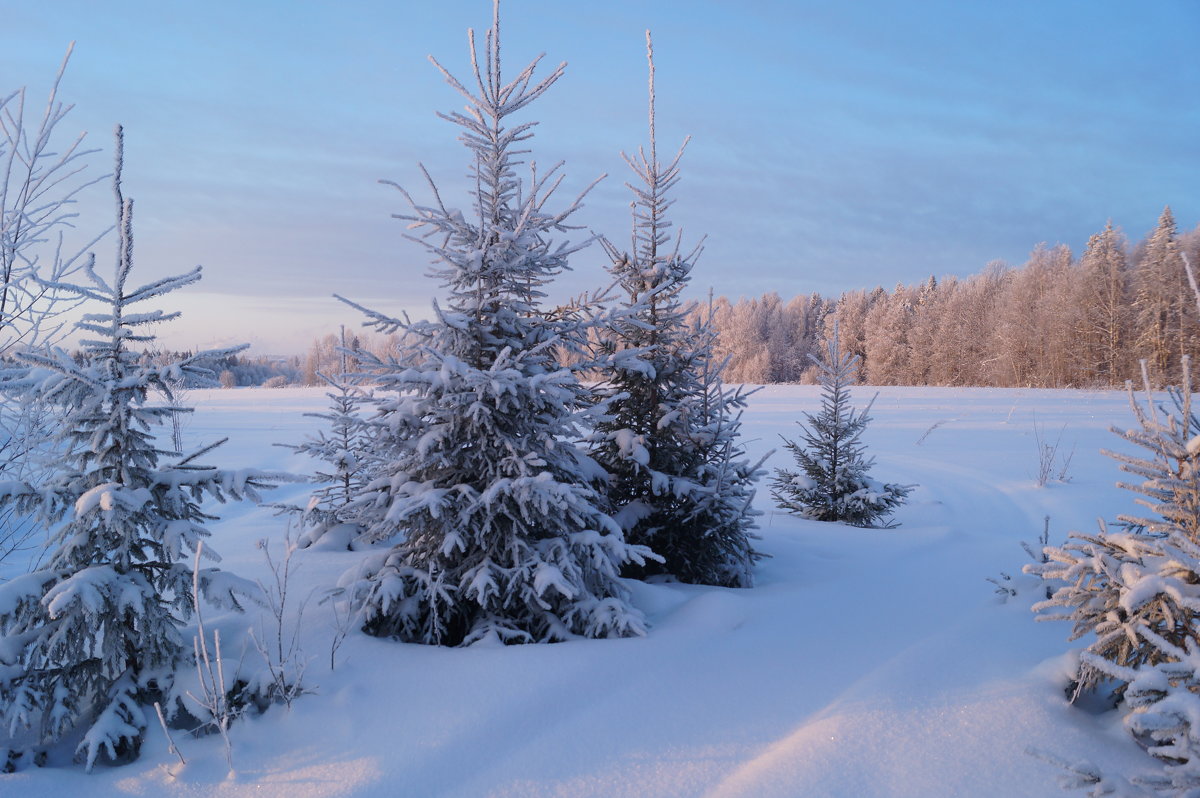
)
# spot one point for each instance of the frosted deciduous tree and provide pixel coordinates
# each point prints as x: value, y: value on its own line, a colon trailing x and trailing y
x: 849, y: 318
x: 964, y: 352
x: 806, y: 316
x: 1057, y: 312
x: 744, y: 327
x: 832, y: 483
x: 1162, y: 302
x: 90, y: 639
x: 333, y: 354
x: 40, y: 179
x: 41, y: 176
x: 885, y: 331
x: 502, y: 536
x: 1030, y: 300
x: 677, y: 482
x: 1105, y: 323
x: 921, y: 335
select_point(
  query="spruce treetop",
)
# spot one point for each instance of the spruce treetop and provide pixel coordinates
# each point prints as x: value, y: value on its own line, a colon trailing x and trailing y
x: 500, y: 534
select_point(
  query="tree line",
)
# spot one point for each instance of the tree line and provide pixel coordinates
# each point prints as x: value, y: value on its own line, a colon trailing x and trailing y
x: 1057, y: 321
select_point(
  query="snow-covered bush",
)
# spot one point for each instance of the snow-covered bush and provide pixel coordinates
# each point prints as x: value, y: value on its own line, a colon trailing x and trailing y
x: 277, y: 638
x: 92, y: 638
x: 1007, y: 587
x: 832, y: 483
x: 502, y: 536
x: 678, y: 480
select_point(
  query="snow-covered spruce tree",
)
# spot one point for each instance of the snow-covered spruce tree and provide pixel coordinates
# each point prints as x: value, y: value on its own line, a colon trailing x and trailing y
x: 1135, y: 590
x: 93, y: 636
x: 1136, y: 582
x: 832, y: 483
x: 345, y: 449
x: 1137, y: 586
x: 676, y: 482
x: 724, y: 508
x: 502, y: 537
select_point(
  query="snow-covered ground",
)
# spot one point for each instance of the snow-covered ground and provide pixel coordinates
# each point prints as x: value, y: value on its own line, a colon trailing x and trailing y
x: 864, y: 662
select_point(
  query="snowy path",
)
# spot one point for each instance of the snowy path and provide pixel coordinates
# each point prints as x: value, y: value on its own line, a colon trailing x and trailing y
x: 865, y: 662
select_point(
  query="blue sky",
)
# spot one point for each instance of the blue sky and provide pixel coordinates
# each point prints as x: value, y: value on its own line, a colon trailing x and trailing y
x: 834, y: 145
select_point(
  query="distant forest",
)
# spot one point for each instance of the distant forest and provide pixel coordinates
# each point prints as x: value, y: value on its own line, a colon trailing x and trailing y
x: 1057, y: 321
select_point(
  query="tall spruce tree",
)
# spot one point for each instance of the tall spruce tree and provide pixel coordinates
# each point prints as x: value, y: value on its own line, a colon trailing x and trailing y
x: 832, y: 483
x: 678, y: 480
x: 91, y: 638
x: 502, y: 537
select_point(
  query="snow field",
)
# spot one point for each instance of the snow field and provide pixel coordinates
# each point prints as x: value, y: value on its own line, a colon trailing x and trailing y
x: 864, y: 662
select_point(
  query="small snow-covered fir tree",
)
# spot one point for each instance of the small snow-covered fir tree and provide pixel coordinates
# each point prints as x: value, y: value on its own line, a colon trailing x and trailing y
x: 1133, y: 589
x: 832, y: 483
x: 90, y: 639
x: 502, y: 536
x: 345, y: 449
x: 678, y: 480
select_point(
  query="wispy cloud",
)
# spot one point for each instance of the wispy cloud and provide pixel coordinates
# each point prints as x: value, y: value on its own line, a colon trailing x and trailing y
x: 834, y: 146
